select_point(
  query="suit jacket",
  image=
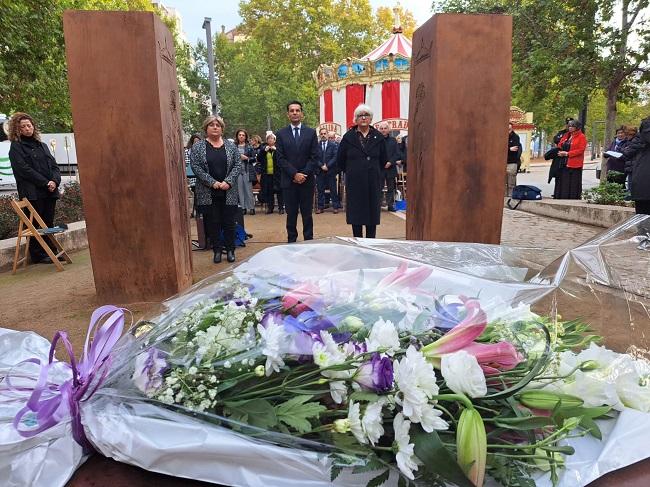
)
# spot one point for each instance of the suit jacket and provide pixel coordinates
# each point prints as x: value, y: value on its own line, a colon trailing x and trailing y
x: 393, y: 154
x: 294, y: 157
x: 328, y: 158
x: 204, y: 182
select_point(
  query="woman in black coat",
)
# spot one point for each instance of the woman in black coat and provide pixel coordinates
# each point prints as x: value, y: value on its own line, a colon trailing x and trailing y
x: 267, y: 167
x: 636, y: 155
x: 37, y: 175
x: 362, y: 156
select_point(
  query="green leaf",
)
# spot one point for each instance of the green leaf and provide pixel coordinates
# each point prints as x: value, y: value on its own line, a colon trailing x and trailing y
x: 524, y: 423
x: 363, y: 396
x: 436, y: 458
x: 335, y: 471
x: 379, y: 479
x: 372, y: 464
x: 296, y: 412
x: 401, y: 482
x: 257, y: 412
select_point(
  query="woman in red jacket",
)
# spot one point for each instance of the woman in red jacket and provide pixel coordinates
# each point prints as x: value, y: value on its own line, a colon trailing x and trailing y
x: 572, y: 145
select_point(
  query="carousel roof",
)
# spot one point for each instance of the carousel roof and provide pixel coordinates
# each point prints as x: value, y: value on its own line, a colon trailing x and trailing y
x: 396, y: 44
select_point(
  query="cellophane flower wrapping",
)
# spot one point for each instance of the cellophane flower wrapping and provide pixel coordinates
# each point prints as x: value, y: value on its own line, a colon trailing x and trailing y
x: 369, y: 362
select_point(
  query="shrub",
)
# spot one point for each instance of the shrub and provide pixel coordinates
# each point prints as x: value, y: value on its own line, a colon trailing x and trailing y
x: 69, y: 209
x: 606, y: 194
x: 8, y: 218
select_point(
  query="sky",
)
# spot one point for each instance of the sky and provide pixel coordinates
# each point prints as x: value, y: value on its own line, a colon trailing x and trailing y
x: 225, y: 12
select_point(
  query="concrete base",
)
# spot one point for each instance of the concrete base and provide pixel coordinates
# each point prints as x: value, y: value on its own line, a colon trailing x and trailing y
x: 72, y: 239
x: 578, y: 211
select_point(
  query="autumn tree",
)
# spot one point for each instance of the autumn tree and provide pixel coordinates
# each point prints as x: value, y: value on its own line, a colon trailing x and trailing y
x: 386, y: 20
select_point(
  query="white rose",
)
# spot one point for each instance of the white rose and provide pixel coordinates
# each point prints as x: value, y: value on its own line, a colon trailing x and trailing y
x: 463, y: 374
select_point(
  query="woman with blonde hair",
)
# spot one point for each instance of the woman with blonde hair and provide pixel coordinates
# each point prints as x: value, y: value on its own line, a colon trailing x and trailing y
x: 37, y: 175
x: 216, y: 164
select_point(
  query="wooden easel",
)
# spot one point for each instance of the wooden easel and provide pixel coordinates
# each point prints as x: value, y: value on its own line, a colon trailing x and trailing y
x: 27, y: 230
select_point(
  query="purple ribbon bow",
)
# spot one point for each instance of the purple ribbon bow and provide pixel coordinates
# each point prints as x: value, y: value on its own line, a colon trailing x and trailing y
x: 52, y: 403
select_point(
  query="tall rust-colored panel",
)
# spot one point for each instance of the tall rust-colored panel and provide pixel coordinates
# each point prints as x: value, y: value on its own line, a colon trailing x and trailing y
x: 458, y: 126
x: 126, y: 114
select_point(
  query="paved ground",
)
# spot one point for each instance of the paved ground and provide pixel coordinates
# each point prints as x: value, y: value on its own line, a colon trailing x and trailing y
x: 538, y: 176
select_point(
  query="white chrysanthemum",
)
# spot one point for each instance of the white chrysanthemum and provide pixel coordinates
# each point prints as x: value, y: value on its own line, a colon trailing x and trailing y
x: 416, y: 381
x: 354, y: 421
x: 328, y: 352
x: 274, y: 337
x: 431, y: 419
x: 405, y: 456
x: 372, y: 421
x: 383, y: 338
x: 463, y: 374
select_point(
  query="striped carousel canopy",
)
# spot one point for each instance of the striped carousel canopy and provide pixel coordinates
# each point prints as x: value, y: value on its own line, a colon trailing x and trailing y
x: 396, y: 44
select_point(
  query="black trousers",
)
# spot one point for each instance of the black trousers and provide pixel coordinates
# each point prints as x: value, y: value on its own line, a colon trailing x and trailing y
x: 268, y: 192
x: 45, y: 207
x: 642, y: 207
x: 220, y: 218
x: 371, y: 231
x: 391, y: 183
x: 300, y: 197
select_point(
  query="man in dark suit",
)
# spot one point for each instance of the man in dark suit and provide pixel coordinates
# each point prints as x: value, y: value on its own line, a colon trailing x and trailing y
x: 326, y: 173
x: 389, y: 172
x: 297, y: 154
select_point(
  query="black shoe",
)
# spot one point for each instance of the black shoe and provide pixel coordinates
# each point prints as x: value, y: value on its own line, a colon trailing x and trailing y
x: 244, y: 211
x: 249, y: 235
x: 252, y: 212
x: 281, y: 211
x: 217, y: 257
x: 391, y: 208
x: 230, y: 256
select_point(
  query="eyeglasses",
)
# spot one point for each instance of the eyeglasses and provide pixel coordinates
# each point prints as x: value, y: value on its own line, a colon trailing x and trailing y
x: 366, y: 115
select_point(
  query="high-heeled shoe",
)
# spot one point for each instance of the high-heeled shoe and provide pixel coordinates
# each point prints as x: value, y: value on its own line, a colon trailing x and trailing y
x: 230, y: 256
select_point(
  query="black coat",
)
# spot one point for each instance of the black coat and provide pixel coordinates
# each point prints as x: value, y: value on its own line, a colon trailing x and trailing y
x: 261, y: 165
x: 394, y: 154
x: 296, y: 157
x: 636, y: 155
x: 513, y: 140
x: 33, y: 167
x: 362, y: 167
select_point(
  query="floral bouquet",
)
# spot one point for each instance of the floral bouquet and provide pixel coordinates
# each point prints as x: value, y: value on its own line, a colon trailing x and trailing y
x: 340, y: 363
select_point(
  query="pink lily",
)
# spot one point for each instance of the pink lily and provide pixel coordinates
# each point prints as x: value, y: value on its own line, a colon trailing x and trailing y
x: 402, y: 278
x: 461, y: 336
x: 301, y: 298
x: 495, y: 357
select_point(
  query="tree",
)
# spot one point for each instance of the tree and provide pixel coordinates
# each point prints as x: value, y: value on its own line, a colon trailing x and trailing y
x: 565, y: 50
x: 33, y: 74
x: 386, y: 19
x: 287, y: 41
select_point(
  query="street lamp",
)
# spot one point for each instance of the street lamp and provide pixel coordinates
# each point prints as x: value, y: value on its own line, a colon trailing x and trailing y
x: 213, y: 84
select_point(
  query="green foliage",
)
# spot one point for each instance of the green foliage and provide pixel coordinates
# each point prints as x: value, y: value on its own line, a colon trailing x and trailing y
x: 256, y: 412
x: 606, y: 194
x: 297, y: 411
x: 8, y: 217
x: 69, y: 208
x: 563, y: 51
x: 285, y: 42
x: 437, y: 459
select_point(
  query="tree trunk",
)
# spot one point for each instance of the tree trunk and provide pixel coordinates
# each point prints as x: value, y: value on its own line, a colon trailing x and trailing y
x: 610, y: 125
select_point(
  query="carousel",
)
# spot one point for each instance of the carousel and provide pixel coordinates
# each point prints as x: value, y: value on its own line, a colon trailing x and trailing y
x: 380, y: 79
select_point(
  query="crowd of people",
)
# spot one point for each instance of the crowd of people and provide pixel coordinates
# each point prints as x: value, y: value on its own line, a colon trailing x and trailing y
x: 293, y: 167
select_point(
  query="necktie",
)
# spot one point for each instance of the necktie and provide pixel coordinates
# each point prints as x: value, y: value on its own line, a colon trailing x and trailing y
x: 324, y: 146
x: 296, y: 133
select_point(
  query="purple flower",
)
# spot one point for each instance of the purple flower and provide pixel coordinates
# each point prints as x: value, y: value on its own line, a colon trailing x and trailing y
x: 375, y: 375
x: 150, y: 367
x: 449, y: 312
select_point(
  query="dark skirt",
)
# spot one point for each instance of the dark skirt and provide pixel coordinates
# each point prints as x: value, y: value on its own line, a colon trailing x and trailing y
x: 568, y: 184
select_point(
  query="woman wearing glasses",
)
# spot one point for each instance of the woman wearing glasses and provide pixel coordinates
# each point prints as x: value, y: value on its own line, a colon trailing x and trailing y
x: 362, y: 155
